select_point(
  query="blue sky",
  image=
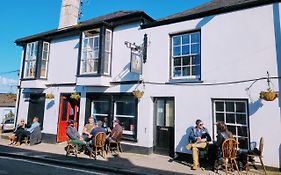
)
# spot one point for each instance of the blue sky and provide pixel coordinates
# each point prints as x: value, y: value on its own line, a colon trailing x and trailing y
x: 20, y: 18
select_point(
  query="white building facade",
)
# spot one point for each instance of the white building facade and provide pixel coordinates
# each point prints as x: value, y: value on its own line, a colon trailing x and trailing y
x: 209, y: 63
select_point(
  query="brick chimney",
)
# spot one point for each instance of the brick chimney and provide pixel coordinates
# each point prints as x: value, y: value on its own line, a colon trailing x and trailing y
x: 69, y: 13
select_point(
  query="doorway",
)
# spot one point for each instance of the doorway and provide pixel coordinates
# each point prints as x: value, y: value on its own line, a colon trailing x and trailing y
x: 36, y: 108
x: 68, y: 109
x: 164, y: 134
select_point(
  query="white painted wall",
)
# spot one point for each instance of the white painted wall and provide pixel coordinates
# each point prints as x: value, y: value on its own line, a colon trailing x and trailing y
x: 234, y: 46
x: 63, y: 60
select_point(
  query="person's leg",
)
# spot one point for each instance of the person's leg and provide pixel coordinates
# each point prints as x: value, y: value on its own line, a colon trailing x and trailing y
x: 195, y: 155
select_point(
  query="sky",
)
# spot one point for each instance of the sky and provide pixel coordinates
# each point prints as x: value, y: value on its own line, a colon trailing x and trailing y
x: 20, y: 18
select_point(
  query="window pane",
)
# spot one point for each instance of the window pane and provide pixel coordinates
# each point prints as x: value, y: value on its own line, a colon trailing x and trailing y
x: 241, y: 119
x: 169, y: 113
x: 240, y: 107
x: 185, y: 50
x: 101, y: 107
x: 177, y: 51
x: 219, y: 117
x: 242, y: 131
x: 219, y: 106
x: 127, y: 124
x: 43, y: 69
x: 230, y: 118
x: 229, y: 106
x: 186, y: 61
x: 185, y: 39
x: 176, y: 40
x: 177, y: 71
x: 160, y: 120
x: 195, y: 48
x: 45, y: 46
x: 195, y: 38
x: 186, y: 71
x: 196, y: 70
x: 177, y: 61
x: 232, y: 129
x: 243, y: 143
x: 125, y: 108
x: 195, y: 60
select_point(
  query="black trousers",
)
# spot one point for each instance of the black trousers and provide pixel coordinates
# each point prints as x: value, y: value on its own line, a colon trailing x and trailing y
x: 21, y: 134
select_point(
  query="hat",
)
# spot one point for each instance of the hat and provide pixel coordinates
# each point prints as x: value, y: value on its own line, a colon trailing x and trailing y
x: 70, y: 121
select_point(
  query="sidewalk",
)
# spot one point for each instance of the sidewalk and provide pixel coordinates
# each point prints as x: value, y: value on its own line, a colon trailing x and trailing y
x: 124, y: 163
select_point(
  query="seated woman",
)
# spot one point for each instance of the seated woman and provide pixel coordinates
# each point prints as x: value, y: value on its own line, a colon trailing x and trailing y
x: 86, y: 133
x: 215, y: 149
x: 20, y: 126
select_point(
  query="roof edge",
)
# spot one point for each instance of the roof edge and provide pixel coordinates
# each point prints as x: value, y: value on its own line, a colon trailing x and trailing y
x: 209, y: 13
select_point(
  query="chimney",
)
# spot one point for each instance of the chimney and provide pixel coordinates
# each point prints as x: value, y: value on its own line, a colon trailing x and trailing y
x: 69, y: 13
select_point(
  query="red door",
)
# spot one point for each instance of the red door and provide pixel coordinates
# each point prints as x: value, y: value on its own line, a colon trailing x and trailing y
x: 68, y: 110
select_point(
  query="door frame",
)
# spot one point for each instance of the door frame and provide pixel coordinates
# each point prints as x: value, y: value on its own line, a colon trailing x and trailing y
x: 172, y: 146
x: 76, y: 113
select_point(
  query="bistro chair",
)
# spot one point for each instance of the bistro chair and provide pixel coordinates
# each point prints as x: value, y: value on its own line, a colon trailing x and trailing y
x: 99, y: 144
x: 229, y: 153
x: 115, y: 144
x: 256, y: 153
x: 71, y: 148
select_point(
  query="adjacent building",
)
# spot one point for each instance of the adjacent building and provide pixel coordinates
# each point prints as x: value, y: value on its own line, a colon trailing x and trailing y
x: 210, y: 62
x: 7, y: 105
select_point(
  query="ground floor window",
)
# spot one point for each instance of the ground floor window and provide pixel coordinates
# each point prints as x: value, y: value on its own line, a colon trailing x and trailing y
x: 234, y: 114
x: 114, y: 106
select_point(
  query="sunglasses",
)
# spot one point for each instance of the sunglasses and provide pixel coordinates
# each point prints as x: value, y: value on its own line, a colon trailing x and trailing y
x: 201, y: 124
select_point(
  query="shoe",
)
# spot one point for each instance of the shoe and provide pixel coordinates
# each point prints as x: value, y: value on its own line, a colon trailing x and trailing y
x: 194, y: 167
x: 17, y: 144
x: 188, y: 146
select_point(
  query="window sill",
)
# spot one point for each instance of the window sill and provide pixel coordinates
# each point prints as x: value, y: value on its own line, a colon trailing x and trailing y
x: 93, y: 75
x: 173, y: 81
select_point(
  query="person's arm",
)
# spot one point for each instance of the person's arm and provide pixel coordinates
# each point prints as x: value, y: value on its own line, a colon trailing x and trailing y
x: 84, y: 131
x: 192, y: 136
x: 33, y: 126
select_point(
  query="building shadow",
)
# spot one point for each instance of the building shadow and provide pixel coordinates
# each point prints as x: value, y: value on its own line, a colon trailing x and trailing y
x: 255, y: 106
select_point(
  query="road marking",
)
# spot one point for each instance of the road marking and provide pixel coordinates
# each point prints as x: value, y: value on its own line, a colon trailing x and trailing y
x: 50, y: 165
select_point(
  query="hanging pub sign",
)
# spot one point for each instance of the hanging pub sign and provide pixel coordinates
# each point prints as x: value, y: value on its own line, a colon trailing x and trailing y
x: 136, y: 62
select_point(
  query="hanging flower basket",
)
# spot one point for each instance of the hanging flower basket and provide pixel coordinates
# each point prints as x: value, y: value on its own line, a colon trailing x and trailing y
x: 268, y: 95
x: 50, y: 96
x: 138, y: 93
x: 75, y: 96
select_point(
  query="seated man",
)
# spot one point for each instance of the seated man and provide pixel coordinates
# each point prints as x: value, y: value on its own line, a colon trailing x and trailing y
x: 21, y: 134
x: 96, y: 130
x: 75, y: 138
x: 199, y: 138
x: 86, y: 133
x: 13, y: 137
x: 116, y: 129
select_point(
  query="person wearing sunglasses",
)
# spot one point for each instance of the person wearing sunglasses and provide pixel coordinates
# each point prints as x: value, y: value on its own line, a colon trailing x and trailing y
x: 199, y: 137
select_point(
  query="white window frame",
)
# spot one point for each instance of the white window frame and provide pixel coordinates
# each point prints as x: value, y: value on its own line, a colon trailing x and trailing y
x: 124, y: 116
x: 45, y: 59
x: 30, y: 60
x: 235, y: 113
x: 181, y: 56
x: 100, y: 101
x: 108, y: 52
x: 95, y: 58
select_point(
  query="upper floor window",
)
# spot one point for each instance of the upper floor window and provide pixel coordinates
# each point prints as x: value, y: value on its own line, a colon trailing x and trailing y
x: 36, y: 59
x: 90, y: 54
x: 30, y: 59
x: 186, y: 56
x: 234, y: 114
x: 96, y: 52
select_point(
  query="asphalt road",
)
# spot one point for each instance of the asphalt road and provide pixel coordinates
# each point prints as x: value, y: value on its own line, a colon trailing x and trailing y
x: 13, y: 166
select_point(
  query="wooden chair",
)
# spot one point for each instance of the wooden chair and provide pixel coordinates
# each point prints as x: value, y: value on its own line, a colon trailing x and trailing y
x: 229, y: 153
x: 257, y: 153
x: 115, y: 143
x: 71, y: 148
x: 99, y: 144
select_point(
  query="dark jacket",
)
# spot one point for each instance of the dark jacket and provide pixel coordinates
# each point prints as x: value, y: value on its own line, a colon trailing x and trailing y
x: 72, y: 133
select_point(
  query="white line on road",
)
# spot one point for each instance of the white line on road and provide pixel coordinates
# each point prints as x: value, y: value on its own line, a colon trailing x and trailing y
x: 50, y: 165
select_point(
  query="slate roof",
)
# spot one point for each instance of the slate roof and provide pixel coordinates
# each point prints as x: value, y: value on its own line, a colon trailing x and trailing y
x: 8, y: 100
x: 111, y: 20
x: 210, y: 8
